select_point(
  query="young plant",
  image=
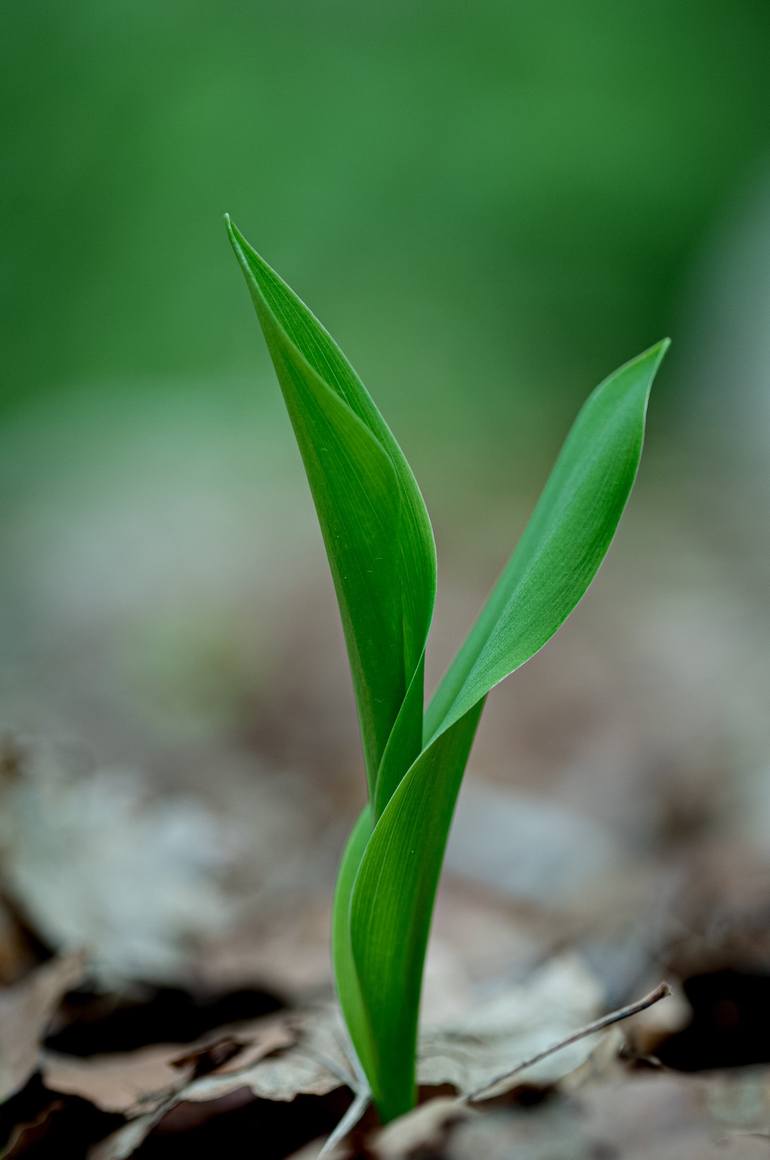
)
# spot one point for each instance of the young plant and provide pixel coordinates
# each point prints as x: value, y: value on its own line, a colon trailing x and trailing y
x: 382, y: 556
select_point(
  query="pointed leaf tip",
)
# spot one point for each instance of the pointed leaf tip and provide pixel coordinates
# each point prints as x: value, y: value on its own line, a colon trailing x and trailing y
x: 373, y: 519
x: 391, y: 901
x: 563, y: 544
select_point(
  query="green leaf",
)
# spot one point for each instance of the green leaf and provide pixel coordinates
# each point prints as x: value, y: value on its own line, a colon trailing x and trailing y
x: 556, y: 559
x: 374, y: 523
x: 392, y: 905
x: 345, y: 972
x: 563, y: 545
x: 382, y: 557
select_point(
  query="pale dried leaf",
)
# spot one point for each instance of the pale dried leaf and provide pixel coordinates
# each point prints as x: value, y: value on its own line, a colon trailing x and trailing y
x: 25, y: 1011
x: 555, y: 1001
x: 258, y: 1039
x: 315, y: 1065
x: 136, y: 1082
x: 302, y: 1055
x: 509, y: 1027
x: 666, y: 1116
x: 83, y: 854
x: 422, y: 1132
x: 646, y: 1116
x: 116, y: 1083
x: 740, y: 1100
x: 428, y: 1129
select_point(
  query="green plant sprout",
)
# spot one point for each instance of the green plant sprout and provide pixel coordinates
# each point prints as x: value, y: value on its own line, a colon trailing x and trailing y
x: 382, y: 556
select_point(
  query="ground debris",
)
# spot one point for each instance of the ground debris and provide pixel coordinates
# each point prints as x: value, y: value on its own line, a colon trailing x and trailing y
x: 628, y: 1116
x: 26, y: 1010
x: 83, y: 851
x: 513, y: 1024
x: 284, y: 1058
x: 286, y: 1080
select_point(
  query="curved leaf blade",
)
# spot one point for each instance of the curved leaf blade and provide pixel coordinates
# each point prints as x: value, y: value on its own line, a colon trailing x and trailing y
x: 563, y: 545
x: 345, y: 971
x: 557, y: 557
x: 376, y: 530
x: 382, y: 557
x: 392, y: 906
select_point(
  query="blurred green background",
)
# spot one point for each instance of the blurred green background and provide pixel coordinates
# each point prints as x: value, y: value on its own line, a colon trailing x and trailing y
x: 499, y: 198
x: 490, y: 205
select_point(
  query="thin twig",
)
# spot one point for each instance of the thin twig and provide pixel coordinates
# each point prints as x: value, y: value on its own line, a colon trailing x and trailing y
x: 357, y: 1084
x: 660, y: 992
x: 348, y: 1121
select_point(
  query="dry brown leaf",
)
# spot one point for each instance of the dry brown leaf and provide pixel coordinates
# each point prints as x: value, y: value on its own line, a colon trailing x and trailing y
x: 497, y: 1033
x: 83, y: 853
x: 548, y: 1132
x: 423, y: 1132
x: 17, y: 954
x: 642, y: 1116
x: 136, y: 1082
x: 427, y: 1130
x: 215, y: 1056
x: 555, y: 1001
x: 667, y: 1116
x: 25, y: 1011
x: 299, y: 1056
x: 282, y: 1057
x: 116, y: 1083
x: 314, y: 1065
x: 259, y: 1040
x: 740, y: 1099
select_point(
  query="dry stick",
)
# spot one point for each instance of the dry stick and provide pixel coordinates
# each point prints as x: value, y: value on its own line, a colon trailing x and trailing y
x: 362, y: 1096
x: 660, y: 992
x: 361, y: 1093
x: 348, y: 1121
